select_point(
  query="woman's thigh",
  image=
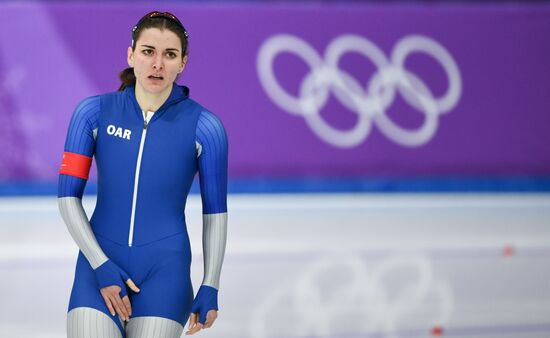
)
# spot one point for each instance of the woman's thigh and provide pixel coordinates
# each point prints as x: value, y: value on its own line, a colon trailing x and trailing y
x: 86, y: 322
x: 153, y: 327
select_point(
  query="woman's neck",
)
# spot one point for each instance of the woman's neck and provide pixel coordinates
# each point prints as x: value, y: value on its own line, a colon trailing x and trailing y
x: 149, y: 101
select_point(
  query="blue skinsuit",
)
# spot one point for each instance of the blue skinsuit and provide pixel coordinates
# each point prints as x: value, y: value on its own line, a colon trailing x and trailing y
x: 152, y: 246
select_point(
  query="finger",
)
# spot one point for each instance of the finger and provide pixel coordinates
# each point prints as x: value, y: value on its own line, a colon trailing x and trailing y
x: 192, y: 320
x: 108, y: 303
x: 127, y: 305
x: 115, y: 305
x: 125, y: 314
x: 194, y: 330
x: 210, y: 318
x: 119, y: 307
x: 132, y: 285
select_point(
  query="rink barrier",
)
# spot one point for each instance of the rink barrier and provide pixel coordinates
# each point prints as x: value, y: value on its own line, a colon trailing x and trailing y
x: 331, y: 185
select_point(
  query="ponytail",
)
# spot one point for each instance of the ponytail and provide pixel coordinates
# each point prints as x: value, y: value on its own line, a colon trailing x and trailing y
x: 127, y: 77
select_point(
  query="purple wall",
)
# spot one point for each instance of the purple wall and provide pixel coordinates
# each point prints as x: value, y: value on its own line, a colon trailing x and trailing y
x: 339, y: 90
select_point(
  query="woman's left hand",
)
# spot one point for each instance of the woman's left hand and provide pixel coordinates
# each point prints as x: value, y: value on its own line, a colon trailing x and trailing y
x: 195, y: 326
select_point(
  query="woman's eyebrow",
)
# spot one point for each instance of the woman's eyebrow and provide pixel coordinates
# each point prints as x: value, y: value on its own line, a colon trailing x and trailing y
x: 167, y: 49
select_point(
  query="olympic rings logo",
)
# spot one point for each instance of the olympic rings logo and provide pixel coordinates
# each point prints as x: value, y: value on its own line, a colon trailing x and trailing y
x: 369, y: 104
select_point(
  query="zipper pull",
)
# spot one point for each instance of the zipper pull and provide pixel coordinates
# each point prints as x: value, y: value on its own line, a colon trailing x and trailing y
x: 144, y: 125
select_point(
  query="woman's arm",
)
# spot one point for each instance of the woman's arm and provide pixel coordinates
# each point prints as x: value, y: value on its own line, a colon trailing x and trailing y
x: 73, y: 175
x: 212, y: 160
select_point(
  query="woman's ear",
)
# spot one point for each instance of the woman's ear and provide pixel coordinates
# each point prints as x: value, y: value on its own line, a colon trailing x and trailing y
x: 183, y: 63
x: 130, y: 57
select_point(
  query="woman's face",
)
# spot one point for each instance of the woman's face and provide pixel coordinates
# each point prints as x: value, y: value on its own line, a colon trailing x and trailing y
x: 157, y: 60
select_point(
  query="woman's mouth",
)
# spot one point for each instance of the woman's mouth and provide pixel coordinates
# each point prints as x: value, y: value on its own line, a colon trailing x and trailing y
x: 156, y: 77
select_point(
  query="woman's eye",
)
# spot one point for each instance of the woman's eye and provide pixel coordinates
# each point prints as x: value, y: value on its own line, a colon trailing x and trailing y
x: 171, y: 55
x: 147, y: 51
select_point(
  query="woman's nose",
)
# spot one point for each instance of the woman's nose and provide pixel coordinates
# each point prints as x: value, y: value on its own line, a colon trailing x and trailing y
x: 158, y: 64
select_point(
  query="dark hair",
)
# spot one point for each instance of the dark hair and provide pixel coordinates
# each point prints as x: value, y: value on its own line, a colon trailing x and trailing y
x: 160, y: 20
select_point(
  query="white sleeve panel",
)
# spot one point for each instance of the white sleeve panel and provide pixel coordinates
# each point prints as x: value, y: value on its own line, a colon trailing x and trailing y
x: 214, y: 237
x: 198, y: 146
x: 80, y: 229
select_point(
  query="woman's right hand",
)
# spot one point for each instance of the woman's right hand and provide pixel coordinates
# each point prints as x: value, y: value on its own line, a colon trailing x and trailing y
x: 115, y: 304
x: 110, y: 280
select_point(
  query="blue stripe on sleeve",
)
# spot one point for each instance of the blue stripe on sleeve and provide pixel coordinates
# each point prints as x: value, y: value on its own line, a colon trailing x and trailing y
x: 212, y: 163
x: 80, y: 140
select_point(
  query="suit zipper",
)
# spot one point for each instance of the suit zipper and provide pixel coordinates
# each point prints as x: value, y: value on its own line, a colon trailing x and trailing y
x: 136, y: 183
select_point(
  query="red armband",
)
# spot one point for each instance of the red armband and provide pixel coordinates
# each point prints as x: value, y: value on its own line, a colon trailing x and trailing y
x: 75, y: 165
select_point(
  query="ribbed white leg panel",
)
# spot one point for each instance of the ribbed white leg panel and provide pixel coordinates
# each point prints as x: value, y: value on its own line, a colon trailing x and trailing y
x: 153, y: 327
x: 85, y: 322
